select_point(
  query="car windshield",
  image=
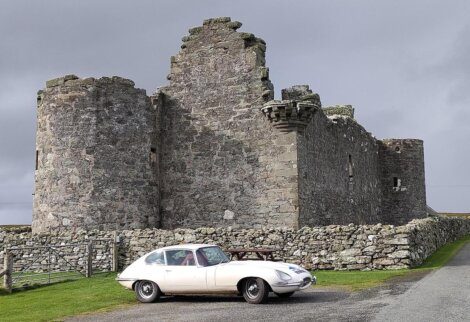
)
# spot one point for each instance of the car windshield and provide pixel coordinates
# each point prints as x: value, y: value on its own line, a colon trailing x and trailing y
x: 213, y: 255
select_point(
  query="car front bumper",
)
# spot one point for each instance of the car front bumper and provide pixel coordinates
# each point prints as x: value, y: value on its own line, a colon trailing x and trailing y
x: 287, y: 287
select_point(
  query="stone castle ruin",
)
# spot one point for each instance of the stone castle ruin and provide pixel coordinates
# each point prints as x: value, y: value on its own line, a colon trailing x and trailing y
x: 213, y: 148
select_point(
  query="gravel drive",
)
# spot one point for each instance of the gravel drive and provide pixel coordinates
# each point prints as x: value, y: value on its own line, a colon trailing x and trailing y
x: 442, y: 295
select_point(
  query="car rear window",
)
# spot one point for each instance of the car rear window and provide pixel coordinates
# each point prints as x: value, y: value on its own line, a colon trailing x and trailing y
x: 155, y: 258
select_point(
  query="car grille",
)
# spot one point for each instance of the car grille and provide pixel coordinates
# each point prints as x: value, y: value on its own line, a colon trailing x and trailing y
x: 306, y: 281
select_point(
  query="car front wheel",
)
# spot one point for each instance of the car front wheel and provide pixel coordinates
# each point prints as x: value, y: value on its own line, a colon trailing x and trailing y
x: 147, y: 291
x: 255, y: 290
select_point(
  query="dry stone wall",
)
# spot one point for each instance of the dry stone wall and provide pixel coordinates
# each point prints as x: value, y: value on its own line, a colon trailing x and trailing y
x: 347, y: 247
x: 68, y: 251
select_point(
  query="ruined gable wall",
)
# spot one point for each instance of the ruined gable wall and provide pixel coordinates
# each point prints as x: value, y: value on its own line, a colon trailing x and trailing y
x: 402, y: 177
x: 327, y: 194
x: 94, y: 169
x: 221, y: 162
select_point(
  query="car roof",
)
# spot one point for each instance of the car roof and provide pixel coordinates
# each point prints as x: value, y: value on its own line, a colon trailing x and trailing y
x: 187, y: 246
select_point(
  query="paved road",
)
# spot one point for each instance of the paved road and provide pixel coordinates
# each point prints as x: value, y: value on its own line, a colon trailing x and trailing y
x: 443, y: 295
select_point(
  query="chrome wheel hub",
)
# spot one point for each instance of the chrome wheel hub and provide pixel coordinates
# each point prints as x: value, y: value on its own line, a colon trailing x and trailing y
x: 252, y: 289
x: 146, y: 289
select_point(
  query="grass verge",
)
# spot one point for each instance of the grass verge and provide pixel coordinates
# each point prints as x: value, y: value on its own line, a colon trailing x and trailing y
x: 444, y: 254
x: 456, y: 214
x: 52, y: 302
x: 357, y: 280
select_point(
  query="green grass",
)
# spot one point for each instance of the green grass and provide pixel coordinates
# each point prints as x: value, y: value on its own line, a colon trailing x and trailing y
x: 456, y: 214
x: 14, y: 226
x: 357, y: 280
x: 51, y: 302
x: 102, y: 292
x: 444, y: 254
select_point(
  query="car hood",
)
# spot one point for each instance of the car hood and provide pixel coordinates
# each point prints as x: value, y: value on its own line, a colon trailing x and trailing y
x: 263, y: 264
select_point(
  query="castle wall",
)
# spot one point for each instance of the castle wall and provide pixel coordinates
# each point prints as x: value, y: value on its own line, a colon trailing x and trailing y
x: 213, y: 149
x: 339, y: 179
x: 222, y: 163
x: 402, y: 180
x: 95, y: 162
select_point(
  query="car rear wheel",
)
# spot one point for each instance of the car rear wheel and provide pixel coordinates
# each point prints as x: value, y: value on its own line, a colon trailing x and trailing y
x: 255, y: 290
x: 284, y: 295
x: 147, y: 291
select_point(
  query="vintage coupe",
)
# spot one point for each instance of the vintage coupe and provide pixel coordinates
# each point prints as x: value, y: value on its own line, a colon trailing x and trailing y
x: 205, y: 269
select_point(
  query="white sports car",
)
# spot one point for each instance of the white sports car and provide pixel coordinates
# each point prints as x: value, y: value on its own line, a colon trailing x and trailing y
x: 205, y: 269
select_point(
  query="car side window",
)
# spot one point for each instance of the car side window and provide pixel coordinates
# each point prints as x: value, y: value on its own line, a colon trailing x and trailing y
x: 155, y: 258
x: 180, y: 257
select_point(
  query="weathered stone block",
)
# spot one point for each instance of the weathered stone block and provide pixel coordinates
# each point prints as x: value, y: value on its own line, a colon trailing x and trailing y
x: 351, y: 252
x: 400, y: 254
x: 397, y: 241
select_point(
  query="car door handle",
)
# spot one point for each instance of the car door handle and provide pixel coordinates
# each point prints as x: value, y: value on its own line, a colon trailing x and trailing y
x: 168, y: 270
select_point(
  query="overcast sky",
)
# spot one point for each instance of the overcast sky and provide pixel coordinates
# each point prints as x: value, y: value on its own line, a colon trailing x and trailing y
x: 404, y: 65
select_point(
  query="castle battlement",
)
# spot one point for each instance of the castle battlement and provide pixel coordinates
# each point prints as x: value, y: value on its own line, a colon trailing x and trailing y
x: 213, y: 148
x: 289, y: 115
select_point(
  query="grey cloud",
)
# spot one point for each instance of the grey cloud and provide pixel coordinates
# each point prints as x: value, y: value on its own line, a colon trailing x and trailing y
x: 403, y: 65
x: 456, y: 69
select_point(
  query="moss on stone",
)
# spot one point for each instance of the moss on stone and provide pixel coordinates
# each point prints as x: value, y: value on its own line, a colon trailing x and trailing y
x: 345, y: 110
x: 195, y: 30
x: 216, y: 20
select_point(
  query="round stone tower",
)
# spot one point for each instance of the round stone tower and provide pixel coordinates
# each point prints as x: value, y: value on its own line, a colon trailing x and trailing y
x: 96, y: 156
x: 402, y: 180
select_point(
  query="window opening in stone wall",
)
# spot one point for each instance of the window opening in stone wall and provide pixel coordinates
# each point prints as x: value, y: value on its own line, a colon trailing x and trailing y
x: 37, y: 159
x: 350, y: 168
x: 396, y: 183
x: 397, y: 149
x: 153, y: 155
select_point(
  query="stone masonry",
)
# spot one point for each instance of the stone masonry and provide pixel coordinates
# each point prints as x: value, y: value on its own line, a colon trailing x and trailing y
x: 94, y: 155
x: 339, y: 247
x: 213, y: 148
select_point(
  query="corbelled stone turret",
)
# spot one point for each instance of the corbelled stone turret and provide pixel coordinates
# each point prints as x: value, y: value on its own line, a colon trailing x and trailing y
x: 295, y: 110
x: 289, y: 116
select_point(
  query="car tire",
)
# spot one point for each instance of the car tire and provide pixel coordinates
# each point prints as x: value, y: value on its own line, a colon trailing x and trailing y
x: 147, y: 291
x: 284, y: 295
x: 255, y: 290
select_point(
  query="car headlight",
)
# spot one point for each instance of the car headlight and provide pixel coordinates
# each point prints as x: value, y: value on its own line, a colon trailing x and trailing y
x: 297, y: 269
x: 283, y: 276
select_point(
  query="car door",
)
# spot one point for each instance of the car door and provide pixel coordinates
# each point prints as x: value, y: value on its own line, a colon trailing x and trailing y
x: 214, y: 259
x: 154, y: 268
x: 182, y: 275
